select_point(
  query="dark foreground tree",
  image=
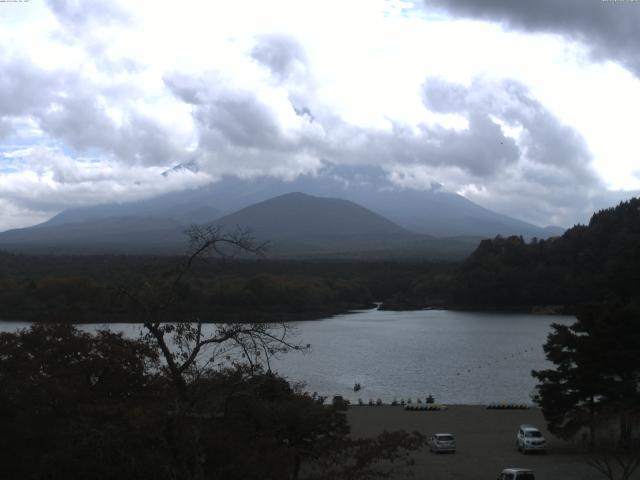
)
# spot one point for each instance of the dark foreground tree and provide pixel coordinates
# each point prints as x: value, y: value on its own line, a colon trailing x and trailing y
x: 74, y: 405
x: 190, y: 350
x: 594, y: 389
x: 185, y: 344
x: 615, y: 456
x: 187, y: 400
x: 196, y: 358
x: 597, y: 367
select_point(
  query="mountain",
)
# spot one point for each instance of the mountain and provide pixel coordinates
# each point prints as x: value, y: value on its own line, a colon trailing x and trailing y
x: 300, y: 216
x: 297, y: 223
x: 430, y: 212
x: 185, y: 208
x: 342, y: 210
x: 293, y: 225
x: 112, y: 234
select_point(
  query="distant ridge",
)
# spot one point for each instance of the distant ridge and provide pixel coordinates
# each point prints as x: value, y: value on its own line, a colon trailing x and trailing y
x: 300, y: 216
x: 428, y: 212
x: 346, y: 211
x: 294, y: 225
x: 113, y: 234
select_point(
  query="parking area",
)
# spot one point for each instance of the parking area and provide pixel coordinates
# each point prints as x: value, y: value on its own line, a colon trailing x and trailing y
x: 486, y: 442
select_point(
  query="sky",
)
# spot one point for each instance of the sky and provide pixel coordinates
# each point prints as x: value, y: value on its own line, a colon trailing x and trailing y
x: 531, y: 109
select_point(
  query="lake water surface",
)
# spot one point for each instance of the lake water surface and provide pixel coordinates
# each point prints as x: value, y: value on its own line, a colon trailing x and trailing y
x: 458, y: 357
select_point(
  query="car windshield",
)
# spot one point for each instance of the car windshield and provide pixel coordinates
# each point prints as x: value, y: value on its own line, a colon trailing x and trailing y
x: 533, y: 433
x: 446, y: 438
x: 526, y: 476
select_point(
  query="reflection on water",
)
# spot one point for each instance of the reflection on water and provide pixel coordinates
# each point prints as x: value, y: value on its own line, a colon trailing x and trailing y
x: 458, y: 357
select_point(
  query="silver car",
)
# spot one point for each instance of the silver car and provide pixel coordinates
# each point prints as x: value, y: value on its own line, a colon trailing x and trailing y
x: 442, y: 442
x: 530, y: 439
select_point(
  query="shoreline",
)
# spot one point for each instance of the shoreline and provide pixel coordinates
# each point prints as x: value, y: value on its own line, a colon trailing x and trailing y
x: 288, y: 317
x: 551, y: 310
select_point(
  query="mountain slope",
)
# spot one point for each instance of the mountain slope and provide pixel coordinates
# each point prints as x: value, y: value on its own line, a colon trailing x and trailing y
x: 299, y: 224
x: 185, y: 208
x: 301, y: 216
x: 430, y: 212
x: 113, y: 234
x: 294, y: 225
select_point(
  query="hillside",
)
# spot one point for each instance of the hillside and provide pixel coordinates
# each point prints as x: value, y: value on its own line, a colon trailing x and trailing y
x: 184, y: 208
x: 294, y: 225
x: 111, y: 234
x: 300, y: 224
x: 587, y: 264
x: 301, y: 216
x: 428, y: 212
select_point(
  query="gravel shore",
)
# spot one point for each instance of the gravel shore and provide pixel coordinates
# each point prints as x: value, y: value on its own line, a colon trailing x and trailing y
x: 485, y: 442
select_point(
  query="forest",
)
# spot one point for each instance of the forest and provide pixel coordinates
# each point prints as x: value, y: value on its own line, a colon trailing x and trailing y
x: 103, y: 406
x: 588, y: 264
x: 594, y: 263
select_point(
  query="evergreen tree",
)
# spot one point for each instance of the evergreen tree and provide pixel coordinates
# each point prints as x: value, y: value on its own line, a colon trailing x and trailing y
x: 596, y: 374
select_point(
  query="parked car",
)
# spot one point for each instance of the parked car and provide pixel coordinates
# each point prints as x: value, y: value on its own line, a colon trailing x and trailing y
x: 442, y: 442
x: 517, y: 474
x: 530, y: 439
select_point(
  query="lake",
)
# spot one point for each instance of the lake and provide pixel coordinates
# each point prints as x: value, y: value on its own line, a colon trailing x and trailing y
x: 458, y: 357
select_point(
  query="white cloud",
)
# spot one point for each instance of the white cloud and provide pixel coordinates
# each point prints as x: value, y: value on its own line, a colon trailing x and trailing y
x: 275, y: 88
x: 44, y: 180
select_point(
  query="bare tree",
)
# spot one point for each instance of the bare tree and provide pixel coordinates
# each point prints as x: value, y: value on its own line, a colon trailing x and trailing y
x: 186, y: 344
x: 190, y: 348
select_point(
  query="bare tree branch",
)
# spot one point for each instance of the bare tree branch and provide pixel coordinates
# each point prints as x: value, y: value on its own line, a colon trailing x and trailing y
x: 257, y: 342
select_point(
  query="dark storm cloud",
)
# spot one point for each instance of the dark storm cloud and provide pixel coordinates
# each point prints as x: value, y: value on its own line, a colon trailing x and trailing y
x: 609, y: 28
x: 544, y: 139
x: 228, y: 116
x: 24, y: 88
x: 82, y: 121
x: 480, y: 150
x: 282, y: 54
x: 242, y: 119
x: 236, y: 123
x: 72, y: 109
x: 553, y: 178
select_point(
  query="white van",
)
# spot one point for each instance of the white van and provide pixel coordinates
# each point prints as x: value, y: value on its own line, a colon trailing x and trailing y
x: 517, y: 474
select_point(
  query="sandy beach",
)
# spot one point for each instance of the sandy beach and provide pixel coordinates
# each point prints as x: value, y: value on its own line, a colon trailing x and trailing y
x: 485, y: 442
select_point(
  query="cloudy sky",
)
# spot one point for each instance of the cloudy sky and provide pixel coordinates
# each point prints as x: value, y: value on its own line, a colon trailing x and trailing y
x: 528, y: 108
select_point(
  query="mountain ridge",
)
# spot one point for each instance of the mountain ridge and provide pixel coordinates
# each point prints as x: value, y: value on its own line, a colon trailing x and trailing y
x: 430, y: 212
x: 293, y: 224
x: 339, y: 211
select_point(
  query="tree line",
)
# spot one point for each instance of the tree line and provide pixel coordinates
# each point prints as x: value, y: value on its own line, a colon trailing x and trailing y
x: 592, y: 393
x: 178, y: 402
x: 590, y: 263
x: 87, y: 289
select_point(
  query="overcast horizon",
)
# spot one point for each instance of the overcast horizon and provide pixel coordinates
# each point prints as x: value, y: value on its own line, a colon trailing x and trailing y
x: 530, y: 109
